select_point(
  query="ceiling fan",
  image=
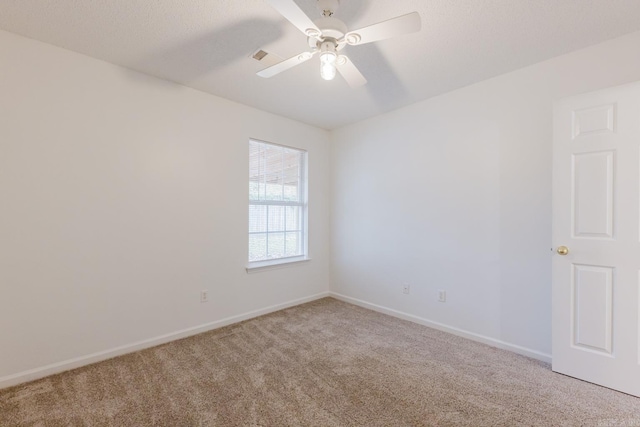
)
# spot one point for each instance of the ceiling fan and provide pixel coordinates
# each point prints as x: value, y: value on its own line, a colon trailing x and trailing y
x: 329, y: 35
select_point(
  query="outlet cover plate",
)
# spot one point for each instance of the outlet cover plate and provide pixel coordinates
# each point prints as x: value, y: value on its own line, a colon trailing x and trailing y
x: 442, y: 295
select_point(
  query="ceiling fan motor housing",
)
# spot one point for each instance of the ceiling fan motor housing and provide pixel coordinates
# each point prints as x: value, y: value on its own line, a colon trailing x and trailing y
x: 332, y: 29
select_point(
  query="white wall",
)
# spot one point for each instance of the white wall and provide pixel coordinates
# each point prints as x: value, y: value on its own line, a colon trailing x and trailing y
x: 122, y: 197
x: 454, y: 193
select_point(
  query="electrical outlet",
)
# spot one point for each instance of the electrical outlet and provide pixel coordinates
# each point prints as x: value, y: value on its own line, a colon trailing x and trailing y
x: 442, y: 295
x: 405, y: 288
x: 204, y: 296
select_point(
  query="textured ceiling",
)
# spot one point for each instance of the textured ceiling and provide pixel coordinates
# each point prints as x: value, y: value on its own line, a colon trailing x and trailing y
x: 206, y: 44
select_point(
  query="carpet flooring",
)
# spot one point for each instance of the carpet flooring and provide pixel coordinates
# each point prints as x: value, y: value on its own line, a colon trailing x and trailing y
x: 325, y: 363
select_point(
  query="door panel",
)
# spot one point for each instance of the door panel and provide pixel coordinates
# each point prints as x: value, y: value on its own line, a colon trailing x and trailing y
x: 593, y: 307
x: 599, y: 119
x: 592, y: 193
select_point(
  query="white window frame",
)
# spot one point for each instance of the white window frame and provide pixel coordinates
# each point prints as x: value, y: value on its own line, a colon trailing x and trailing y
x: 253, y: 266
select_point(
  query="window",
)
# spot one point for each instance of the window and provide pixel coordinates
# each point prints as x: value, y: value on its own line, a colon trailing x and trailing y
x: 277, y: 203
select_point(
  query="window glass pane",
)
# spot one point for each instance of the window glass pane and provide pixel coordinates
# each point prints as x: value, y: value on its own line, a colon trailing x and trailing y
x: 254, y: 161
x: 291, y: 175
x: 276, y: 218
x: 273, y: 187
x: 293, y: 244
x: 275, y: 245
x: 257, y: 247
x: 293, y: 217
x: 291, y: 193
x: 257, y: 218
x: 256, y: 171
x: 254, y: 190
x: 273, y: 172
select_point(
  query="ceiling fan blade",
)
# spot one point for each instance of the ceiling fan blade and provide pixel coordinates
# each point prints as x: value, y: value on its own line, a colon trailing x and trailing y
x: 404, y: 24
x: 290, y: 10
x: 351, y: 74
x: 286, y: 64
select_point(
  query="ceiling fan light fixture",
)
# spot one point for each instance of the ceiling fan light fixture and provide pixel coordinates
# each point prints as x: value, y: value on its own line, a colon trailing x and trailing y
x: 328, y: 57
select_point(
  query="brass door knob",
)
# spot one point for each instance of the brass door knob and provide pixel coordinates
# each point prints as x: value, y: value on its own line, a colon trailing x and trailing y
x: 563, y: 250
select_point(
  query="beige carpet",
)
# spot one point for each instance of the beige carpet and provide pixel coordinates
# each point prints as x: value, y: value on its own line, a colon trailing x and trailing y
x: 326, y: 363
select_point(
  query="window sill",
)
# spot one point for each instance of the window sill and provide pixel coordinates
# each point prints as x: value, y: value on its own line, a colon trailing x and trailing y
x: 255, y: 267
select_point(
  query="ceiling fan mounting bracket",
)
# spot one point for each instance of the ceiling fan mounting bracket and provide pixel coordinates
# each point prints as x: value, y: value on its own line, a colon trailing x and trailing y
x: 328, y: 7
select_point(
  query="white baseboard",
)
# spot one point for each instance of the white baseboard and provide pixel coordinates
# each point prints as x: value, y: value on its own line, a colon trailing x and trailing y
x: 41, y: 372
x: 37, y: 373
x: 445, y: 328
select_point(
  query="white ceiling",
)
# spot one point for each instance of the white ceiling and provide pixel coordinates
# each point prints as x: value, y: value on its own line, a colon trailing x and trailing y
x: 206, y: 44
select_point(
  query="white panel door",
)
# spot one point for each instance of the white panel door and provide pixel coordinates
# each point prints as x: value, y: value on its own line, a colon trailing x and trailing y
x: 596, y: 233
